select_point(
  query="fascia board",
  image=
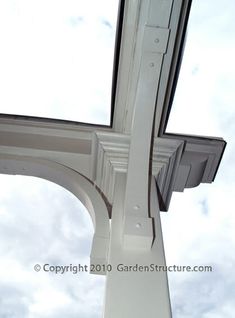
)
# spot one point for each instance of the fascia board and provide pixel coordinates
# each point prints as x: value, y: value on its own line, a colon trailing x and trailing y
x: 46, y: 127
x: 200, y: 160
x: 71, y: 148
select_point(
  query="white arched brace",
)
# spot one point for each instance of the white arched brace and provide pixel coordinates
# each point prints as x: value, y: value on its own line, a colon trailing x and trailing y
x: 71, y: 180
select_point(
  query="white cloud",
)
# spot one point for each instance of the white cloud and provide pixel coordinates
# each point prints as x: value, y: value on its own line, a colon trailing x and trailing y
x: 54, y: 67
x: 199, y: 229
x: 205, y: 91
x: 43, y: 223
x: 193, y: 237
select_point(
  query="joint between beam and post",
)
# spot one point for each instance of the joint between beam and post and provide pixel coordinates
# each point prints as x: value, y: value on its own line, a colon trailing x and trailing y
x: 138, y: 232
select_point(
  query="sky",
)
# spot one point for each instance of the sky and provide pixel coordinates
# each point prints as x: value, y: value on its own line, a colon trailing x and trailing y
x: 42, y: 223
x: 205, y: 93
x: 41, y: 41
x: 199, y: 226
x: 39, y: 219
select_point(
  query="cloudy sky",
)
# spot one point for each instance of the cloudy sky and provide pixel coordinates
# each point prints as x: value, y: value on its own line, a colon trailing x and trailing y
x: 62, y: 53
x: 42, y: 223
x: 200, y: 225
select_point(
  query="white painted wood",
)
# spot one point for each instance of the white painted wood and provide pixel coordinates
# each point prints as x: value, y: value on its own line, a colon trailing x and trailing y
x: 140, y: 146
x: 111, y: 152
x: 135, y: 294
x: 176, y: 25
x: 156, y: 39
x: 159, y: 13
x: 137, y: 188
x: 128, y: 65
x: 115, y: 164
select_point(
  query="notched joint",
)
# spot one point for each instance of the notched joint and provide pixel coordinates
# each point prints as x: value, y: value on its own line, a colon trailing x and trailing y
x: 138, y: 232
x: 156, y: 39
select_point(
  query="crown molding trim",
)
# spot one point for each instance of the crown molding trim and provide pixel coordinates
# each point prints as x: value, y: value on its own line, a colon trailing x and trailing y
x: 110, y: 157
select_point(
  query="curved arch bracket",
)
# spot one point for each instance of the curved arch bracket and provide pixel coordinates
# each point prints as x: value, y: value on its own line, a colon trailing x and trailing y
x: 84, y: 190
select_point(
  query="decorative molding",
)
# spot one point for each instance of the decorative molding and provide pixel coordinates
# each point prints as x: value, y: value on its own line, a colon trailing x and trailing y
x: 177, y: 162
x: 166, y: 159
x: 110, y: 157
x: 199, y: 162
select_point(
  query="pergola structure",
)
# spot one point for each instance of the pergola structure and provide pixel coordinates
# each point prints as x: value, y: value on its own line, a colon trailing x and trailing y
x: 127, y: 172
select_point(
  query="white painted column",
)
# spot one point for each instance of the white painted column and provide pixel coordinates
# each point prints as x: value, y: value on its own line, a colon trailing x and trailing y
x: 135, y: 293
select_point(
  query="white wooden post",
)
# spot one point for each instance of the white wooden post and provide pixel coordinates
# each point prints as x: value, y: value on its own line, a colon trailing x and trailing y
x: 135, y: 293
